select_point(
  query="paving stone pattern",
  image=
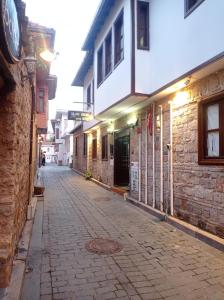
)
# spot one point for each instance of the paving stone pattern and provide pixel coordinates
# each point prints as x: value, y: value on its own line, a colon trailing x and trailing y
x: 157, y: 261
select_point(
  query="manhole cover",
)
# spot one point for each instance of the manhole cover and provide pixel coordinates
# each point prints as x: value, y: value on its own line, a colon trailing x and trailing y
x: 103, y: 246
x: 102, y: 199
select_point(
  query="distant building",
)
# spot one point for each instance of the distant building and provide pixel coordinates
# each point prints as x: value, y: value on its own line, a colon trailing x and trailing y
x: 48, y: 149
x: 46, y: 83
x: 153, y: 77
x: 63, y: 138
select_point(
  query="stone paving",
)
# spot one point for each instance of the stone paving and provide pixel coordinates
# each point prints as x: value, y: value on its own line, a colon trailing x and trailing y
x: 157, y: 260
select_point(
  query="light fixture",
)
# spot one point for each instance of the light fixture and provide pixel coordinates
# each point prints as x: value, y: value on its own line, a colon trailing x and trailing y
x: 181, y: 98
x: 30, y: 63
x: 110, y: 129
x: 158, y: 122
x: 132, y: 122
x: 48, y: 55
x: 179, y: 85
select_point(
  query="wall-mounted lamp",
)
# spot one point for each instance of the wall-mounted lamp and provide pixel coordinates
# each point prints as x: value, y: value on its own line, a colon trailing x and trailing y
x: 132, y: 122
x: 179, y: 85
x: 110, y: 129
x: 48, y: 55
x: 30, y: 63
x: 158, y: 122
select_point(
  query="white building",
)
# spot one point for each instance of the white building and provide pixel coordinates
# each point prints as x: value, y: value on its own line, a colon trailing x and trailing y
x: 63, y: 139
x: 49, y: 150
x: 153, y: 76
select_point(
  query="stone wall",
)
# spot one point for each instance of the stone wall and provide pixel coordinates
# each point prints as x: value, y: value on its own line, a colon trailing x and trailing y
x: 79, y: 161
x: 15, y: 114
x: 102, y: 170
x: 198, y: 189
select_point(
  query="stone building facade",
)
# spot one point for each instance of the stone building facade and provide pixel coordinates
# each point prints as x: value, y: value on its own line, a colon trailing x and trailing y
x: 18, y: 130
x: 159, y: 115
x: 15, y: 129
x: 198, y: 189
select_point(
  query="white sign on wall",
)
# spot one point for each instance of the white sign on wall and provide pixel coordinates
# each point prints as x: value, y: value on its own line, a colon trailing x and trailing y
x: 134, y: 176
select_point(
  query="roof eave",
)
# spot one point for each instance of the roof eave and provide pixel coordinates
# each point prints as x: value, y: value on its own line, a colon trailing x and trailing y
x: 98, y: 21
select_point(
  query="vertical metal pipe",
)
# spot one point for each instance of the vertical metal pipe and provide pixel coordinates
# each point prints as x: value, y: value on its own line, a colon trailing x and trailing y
x: 153, y: 157
x: 161, y: 157
x: 139, y: 166
x: 171, y: 159
x: 146, y: 159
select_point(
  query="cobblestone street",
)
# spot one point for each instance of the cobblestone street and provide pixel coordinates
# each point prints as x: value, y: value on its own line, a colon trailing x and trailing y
x: 157, y: 260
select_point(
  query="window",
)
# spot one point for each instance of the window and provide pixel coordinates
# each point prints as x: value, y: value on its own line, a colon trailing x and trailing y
x: 190, y: 5
x: 85, y: 141
x: 118, y: 39
x: 41, y: 96
x: 94, y: 149
x: 111, y: 151
x: 100, y: 66
x: 76, y: 146
x: 93, y: 91
x: 104, y: 148
x: 211, y: 131
x: 108, y: 54
x: 57, y: 133
x: 143, y: 25
x: 88, y: 96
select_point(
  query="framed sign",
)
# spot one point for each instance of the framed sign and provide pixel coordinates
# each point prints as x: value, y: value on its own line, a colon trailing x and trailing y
x: 78, y: 115
x: 10, y: 34
x: 134, y: 176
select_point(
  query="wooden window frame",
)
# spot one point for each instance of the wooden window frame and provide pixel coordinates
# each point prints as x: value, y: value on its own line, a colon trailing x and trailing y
x: 119, y: 39
x: 88, y: 96
x: 57, y: 133
x: 94, y: 149
x: 146, y: 27
x: 105, y: 147
x: 187, y: 10
x: 76, y: 145
x: 39, y: 110
x: 100, y: 66
x: 108, y: 54
x: 93, y: 92
x: 203, y: 159
x: 85, y: 144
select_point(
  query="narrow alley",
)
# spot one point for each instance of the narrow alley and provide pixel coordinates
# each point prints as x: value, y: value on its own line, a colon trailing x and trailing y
x: 156, y: 261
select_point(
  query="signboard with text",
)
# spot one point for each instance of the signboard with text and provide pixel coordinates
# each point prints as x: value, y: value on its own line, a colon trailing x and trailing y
x: 76, y: 115
x: 134, y: 176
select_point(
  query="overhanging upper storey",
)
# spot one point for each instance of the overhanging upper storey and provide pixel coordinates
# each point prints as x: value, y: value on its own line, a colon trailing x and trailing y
x: 98, y: 21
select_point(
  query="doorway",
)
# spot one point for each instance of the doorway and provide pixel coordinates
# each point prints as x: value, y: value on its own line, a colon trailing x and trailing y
x: 122, y: 158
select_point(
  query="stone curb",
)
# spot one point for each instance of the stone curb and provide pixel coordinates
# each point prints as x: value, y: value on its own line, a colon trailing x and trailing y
x: 107, y: 187
x: 194, y: 231
x: 13, y: 291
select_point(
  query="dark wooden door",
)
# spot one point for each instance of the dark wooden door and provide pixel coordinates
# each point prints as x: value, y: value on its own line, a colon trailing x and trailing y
x: 121, y: 160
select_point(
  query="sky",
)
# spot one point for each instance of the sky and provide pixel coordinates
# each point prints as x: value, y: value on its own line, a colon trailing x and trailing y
x: 71, y: 19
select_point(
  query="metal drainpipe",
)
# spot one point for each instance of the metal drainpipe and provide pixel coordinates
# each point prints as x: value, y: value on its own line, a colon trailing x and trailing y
x: 171, y: 159
x: 146, y: 159
x: 31, y: 141
x: 139, y: 166
x: 161, y: 157
x: 153, y: 157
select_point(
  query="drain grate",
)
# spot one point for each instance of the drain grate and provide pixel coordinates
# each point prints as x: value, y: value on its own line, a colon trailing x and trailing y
x: 103, y: 246
x: 102, y: 199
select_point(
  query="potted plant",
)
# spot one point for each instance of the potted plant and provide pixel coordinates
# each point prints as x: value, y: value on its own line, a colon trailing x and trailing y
x: 88, y: 175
